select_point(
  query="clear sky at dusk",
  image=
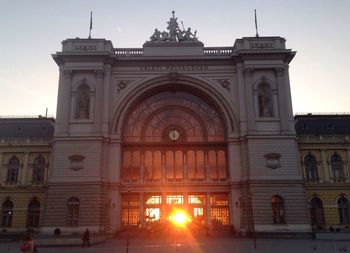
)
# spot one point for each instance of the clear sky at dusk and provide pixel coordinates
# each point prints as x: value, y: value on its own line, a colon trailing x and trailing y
x: 32, y: 30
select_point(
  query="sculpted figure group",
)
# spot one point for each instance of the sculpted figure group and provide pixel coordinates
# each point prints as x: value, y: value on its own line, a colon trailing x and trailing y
x: 175, y: 33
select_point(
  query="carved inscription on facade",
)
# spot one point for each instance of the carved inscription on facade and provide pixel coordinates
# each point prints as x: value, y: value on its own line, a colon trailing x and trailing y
x: 173, y: 68
x: 85, y: 47
x: 259, y: 45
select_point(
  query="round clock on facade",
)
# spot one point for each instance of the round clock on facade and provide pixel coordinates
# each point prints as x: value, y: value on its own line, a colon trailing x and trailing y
x: 174, y: 135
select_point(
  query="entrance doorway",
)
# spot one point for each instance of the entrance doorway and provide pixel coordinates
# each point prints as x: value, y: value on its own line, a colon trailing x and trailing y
x: 155, y: 208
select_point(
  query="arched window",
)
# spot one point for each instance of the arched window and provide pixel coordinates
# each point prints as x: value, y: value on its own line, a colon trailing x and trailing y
x: 82, y: 110
x: 73, y: 211
x: 311, y: 168
x: 33, y: 213
x: 337, y: 168
x: 317, y: 212
x: 278, y: 215
x: 13, y: 170
x: 39, y: 170
x: 265, y: 100
x: 343, y: 210
x: 7, y: 213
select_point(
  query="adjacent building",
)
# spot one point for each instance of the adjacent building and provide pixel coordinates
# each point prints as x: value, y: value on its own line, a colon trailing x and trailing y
x: 324, y: 151
x: 25, y: 160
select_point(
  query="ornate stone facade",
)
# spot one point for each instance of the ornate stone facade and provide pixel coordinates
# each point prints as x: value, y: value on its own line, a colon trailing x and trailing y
x: 175, y: 124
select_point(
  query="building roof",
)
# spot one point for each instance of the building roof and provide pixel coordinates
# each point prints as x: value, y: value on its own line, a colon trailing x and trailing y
x: 27, y: 127
x: 326, y: 124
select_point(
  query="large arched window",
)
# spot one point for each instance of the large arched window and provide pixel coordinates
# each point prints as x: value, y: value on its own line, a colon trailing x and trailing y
x: 310, y: 164
x: 33, y: 213
x: 278, y: 212
x: 7, y: 213
x: 265, y: 100
x: 13, y: 170
x: 317, y: 212
x: 39, y: 170
x: 337, y: 168
x: 174, y: 136
x: 343, y: 210
x: 73, y: 211
x: 82, y: 109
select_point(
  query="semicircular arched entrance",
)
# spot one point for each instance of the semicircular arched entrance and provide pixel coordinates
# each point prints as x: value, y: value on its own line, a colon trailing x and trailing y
x: 174, y: 155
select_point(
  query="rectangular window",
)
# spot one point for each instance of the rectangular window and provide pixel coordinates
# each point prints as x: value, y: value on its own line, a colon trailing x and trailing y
x: 196, y: 199
x: 174, y: 199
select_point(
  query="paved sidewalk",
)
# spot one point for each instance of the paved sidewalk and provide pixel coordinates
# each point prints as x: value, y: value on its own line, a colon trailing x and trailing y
x: 203, y: 245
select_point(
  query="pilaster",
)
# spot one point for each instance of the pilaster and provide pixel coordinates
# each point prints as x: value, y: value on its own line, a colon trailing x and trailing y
x: 280, y: 77
x: 208, y: 209
x: 98, y: 110
x: 241, y: 99
x: 347, y: 166
x: 63, y: 101
x: 325, y: 166
x: 249, y: 98
x: 106, y: 99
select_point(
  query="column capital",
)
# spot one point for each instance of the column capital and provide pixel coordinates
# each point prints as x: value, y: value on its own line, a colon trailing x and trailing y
x: 66, y: 73
x: 99, y: 73
x: 248, y: 71
x: 280, y: 71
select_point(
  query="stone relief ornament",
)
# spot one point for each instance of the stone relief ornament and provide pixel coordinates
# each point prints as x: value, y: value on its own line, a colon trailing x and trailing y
x: 273, y: 160
x: 122, y: 85
x: 175, y: 34
x: 224, y: 83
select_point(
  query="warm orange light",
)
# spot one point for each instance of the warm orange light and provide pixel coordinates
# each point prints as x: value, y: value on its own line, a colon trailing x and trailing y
x: 179, y: 218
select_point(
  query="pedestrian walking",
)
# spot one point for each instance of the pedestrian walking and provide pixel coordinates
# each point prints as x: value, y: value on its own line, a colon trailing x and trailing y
x: 86, y: 238
x: 27, y: 244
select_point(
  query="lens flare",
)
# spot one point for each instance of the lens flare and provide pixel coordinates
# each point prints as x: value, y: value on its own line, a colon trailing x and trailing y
x: 180, y: 218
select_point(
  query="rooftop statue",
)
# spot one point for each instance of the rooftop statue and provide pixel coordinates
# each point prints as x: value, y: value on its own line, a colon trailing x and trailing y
x: 175, y: 33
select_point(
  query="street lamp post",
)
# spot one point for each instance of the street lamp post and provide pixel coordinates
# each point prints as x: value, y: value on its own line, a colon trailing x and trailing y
x: 127, y: 228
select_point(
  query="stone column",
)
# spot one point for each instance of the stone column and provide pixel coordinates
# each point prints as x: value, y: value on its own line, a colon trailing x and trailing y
x: 241, y: 98
x: 320, y: 171
x: 282, y: 99
x: 96, y: 105
x: 235, y: 207
x: 326, y: 170
x: 288, y: 97
x: 114, y: 165
x: 142, y: 212
x: 249, y: 99
x: 162, y: 211
x: 107, y: 92
x: 25, y: 170
x: 234, y: 161
x: 347, y: 171
x: 163, y: 168
x: 208, y: 210
x: 185, y: 196
x: 63, y: 102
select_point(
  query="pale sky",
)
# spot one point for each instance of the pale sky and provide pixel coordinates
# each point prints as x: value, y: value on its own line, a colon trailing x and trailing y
x: 32, y: 30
